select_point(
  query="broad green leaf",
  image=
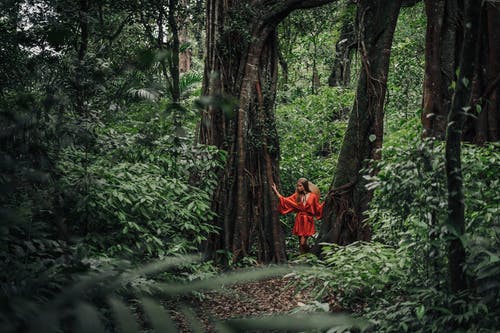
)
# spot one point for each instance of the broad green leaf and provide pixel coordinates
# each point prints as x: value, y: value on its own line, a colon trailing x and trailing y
x: 296, y: 323
x: 88, y: 319
x: 159, y: 318
x: 123, y: 319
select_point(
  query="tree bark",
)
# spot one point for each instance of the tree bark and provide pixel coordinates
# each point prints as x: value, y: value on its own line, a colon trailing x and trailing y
x: 341, y: 71
x: 315, y: 81
x: 461, y: 101
x: 485, y: 126
x: 199, y: 26
x: 185, y: 54
x: 444, y: 37
x: 241, y: 66
x: 241, y: 201
x: 173, y: 63
x: 344, y: 211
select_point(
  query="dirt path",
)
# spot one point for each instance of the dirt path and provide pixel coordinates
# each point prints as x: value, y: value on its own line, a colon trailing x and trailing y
x: 256, y: 298
x: 271, y: 296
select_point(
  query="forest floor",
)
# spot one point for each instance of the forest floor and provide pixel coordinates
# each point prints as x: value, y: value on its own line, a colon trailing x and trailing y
x: 257, y: 298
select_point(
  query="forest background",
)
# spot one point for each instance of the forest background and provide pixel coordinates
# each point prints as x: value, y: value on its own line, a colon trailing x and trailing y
x: 125, y: 148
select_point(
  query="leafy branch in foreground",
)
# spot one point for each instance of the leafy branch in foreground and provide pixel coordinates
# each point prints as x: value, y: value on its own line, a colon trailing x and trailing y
x: 111, y: 300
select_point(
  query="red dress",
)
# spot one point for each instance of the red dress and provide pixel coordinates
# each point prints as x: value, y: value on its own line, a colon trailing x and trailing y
x: 306, y: 212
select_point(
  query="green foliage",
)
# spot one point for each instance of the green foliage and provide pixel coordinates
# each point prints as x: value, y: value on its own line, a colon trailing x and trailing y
x: 378, y: 282
x: 311, y: 131
x: 431, y: 310
x: 410, y: 202
x: 136, y: 199
x: 409, y: 211
x: 410, y: 197
x: 357, y: 272
x: 404, y: 84
x: 307, y: 42
x: 76, y: 135
x: 97, y: 163
x: 402, y: 286
x: 296, y: 323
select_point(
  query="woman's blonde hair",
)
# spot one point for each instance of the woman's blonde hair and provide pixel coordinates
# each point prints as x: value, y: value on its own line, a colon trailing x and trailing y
x: 309, y: 186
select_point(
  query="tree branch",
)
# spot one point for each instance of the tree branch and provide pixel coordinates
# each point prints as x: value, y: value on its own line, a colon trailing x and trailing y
x: 280, y: 9
x: 489, y: 89
x: 409, y: 3
x: 308, y: 4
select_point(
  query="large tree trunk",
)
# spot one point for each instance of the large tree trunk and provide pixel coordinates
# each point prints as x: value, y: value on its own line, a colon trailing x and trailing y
x: 241, y: 65
x: 456, y: 118
x: 444, y: 37
x: 344, y: 212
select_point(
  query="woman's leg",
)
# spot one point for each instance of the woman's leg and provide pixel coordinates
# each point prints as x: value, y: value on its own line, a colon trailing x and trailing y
x: 303, y: 244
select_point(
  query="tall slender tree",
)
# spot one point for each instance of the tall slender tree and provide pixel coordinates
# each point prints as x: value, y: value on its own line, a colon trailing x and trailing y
x: 341, y: 68
x: 460, y: 105
x: 344, y: 211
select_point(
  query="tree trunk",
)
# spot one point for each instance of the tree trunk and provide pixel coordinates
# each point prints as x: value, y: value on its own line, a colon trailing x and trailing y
x: 341, y: 72
x: 456, y: 119
x: 185, y: 54
x: 485, y: 126
x: 242, y: 64
x: 444, y: 37
x: 173, y: 63
x: 199, y: 26
x: 344, y: 211
x: 243, y: 202
x: 315, y: 81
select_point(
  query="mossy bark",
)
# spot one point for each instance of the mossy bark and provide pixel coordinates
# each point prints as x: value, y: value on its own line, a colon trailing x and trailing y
x: 241, y: 66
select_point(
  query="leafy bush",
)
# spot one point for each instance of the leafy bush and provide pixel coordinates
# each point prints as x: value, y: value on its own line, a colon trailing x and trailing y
x: 409, y: 204
x: 377, y: 282
x: 431, y: 310
x: 402, y: 286
x: 311, y: 131
x: 135, y: 195
x: 357, y: 272
x: 405, y: 81
x: 409, y: 211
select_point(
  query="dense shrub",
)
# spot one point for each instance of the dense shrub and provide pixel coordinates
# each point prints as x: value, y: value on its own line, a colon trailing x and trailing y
x: 356, y: 272
x: 311, y: 131
x: 409, y: 211
x: 134, y: 196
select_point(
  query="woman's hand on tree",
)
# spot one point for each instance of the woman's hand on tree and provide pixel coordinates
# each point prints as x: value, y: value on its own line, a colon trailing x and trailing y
x: 275, y: 189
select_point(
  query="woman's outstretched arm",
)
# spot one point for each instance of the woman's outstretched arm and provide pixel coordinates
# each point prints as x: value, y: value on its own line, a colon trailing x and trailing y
x: 275, y: 189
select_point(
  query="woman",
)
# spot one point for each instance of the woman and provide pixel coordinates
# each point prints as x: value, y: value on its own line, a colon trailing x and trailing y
x: 305, y: 202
